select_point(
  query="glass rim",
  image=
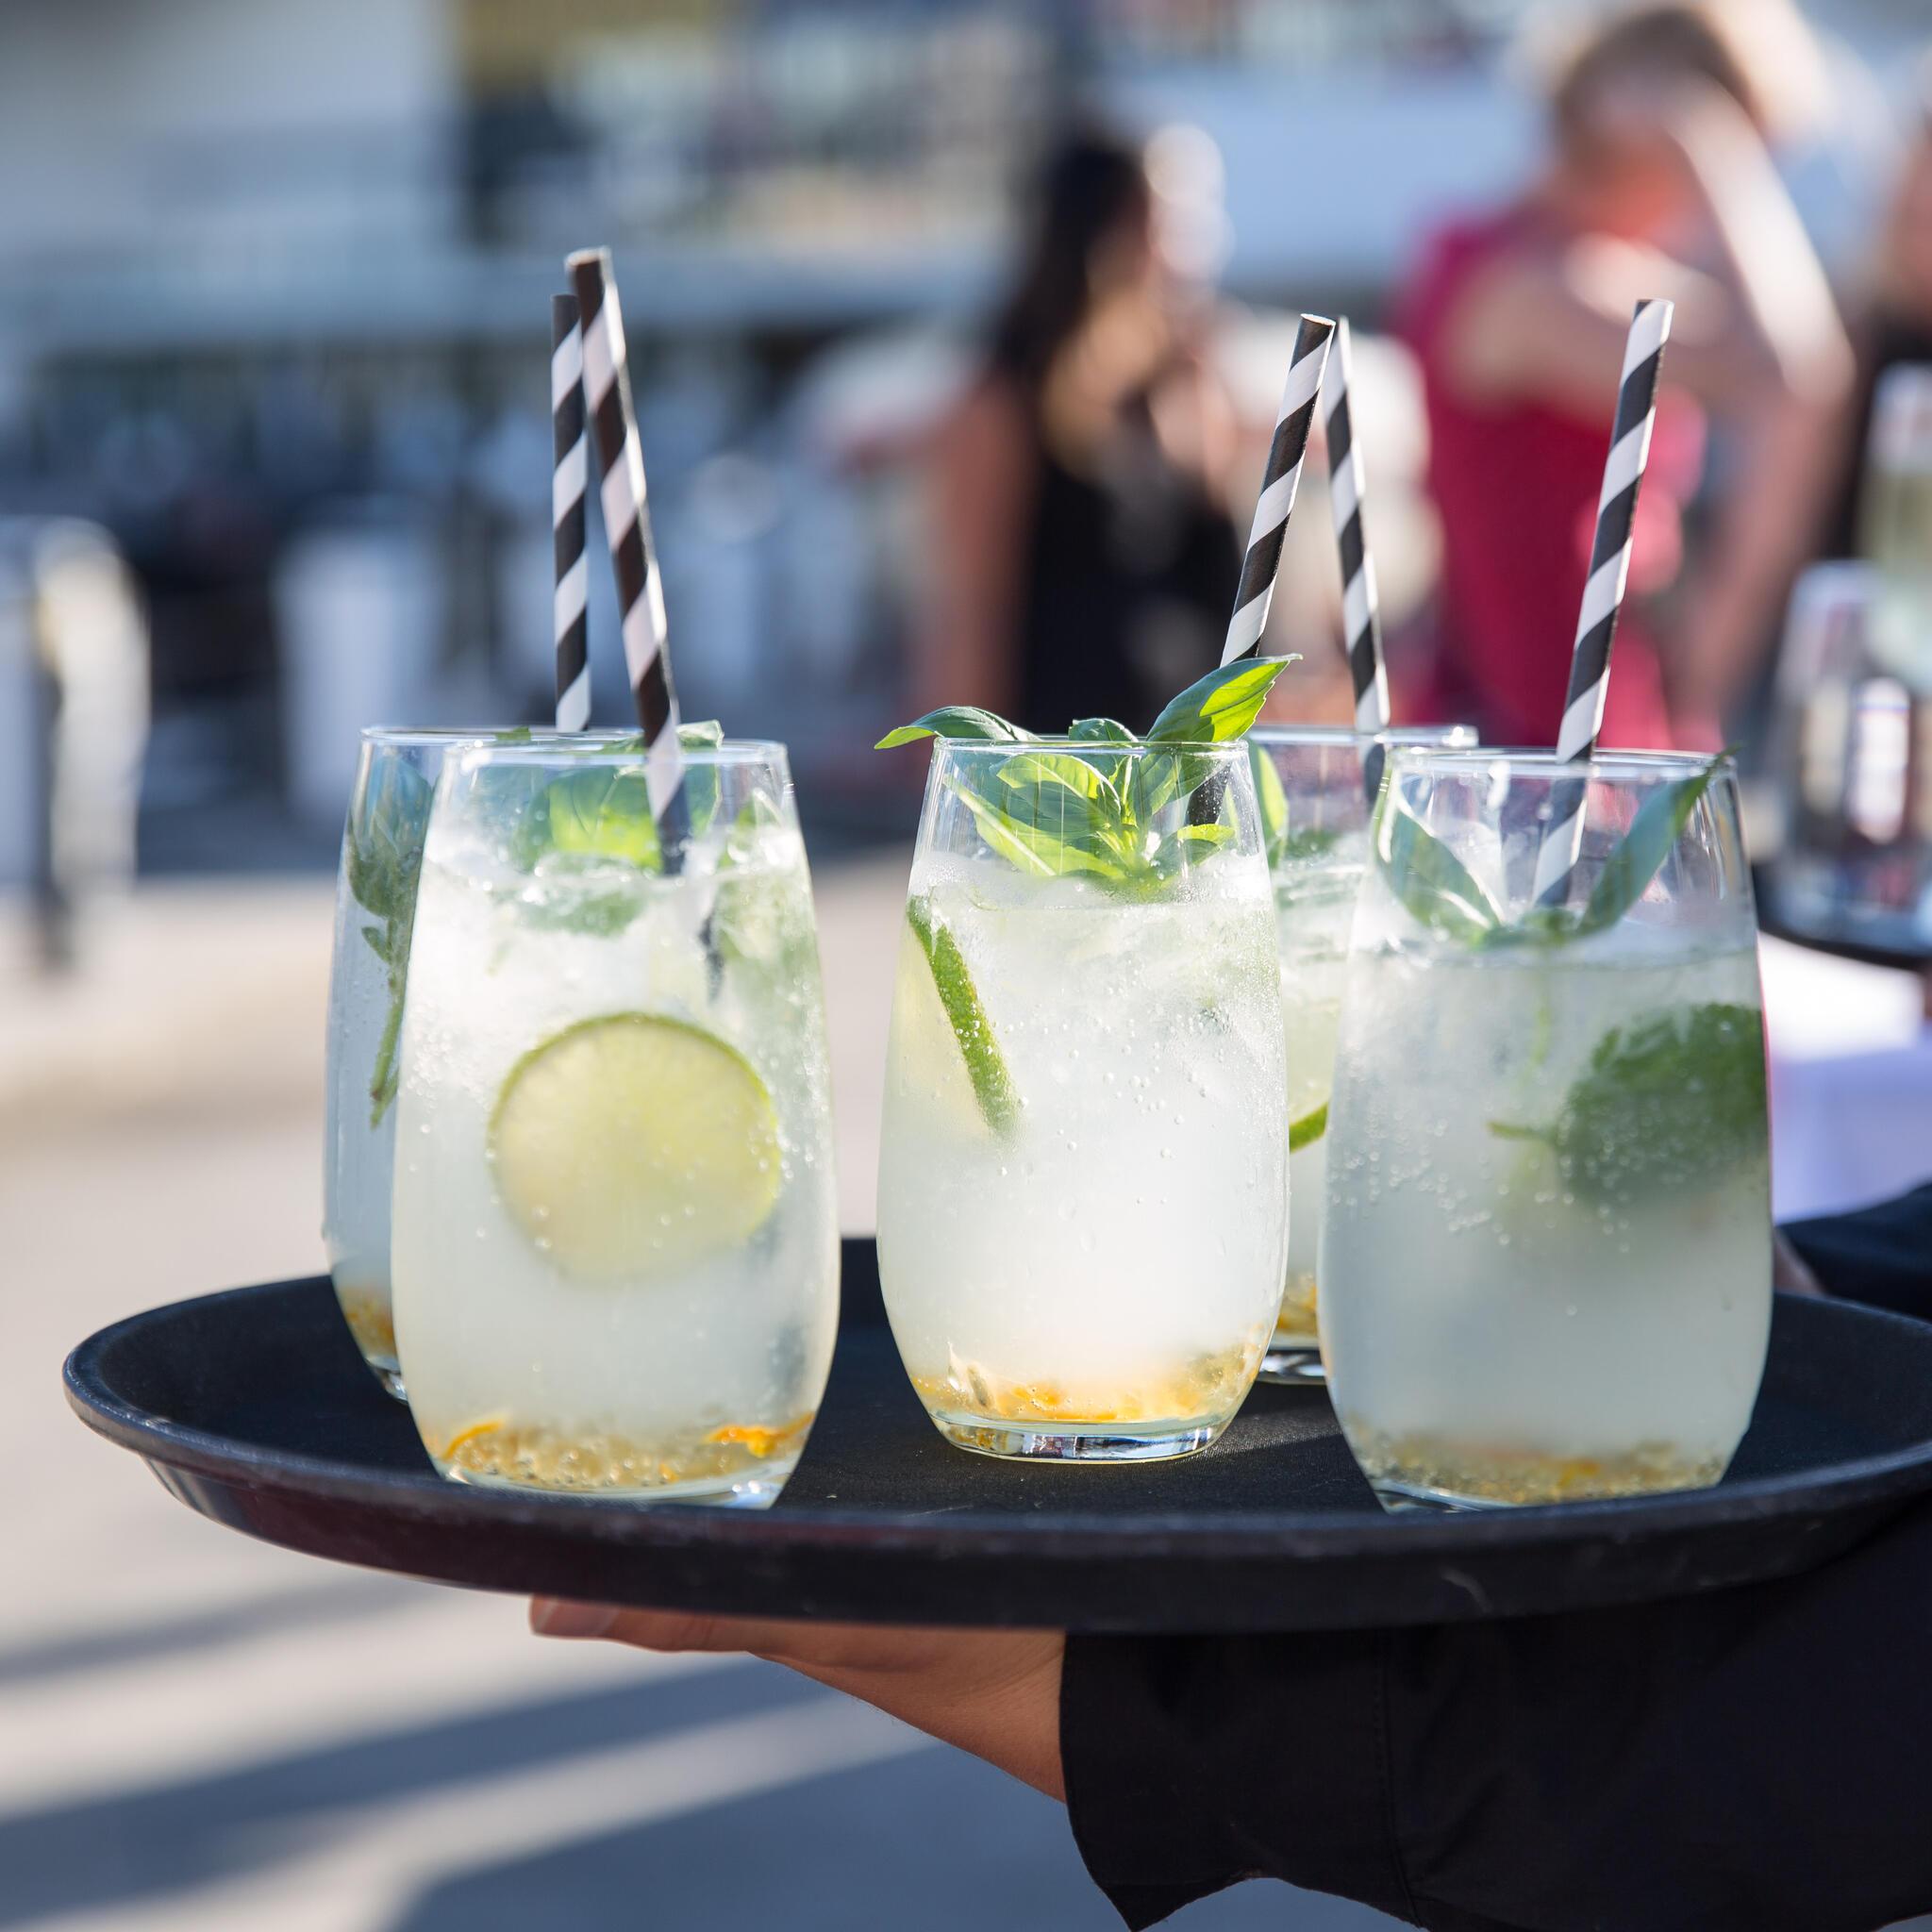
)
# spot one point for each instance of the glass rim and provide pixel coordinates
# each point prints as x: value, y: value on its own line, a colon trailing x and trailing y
x: 1425, y: 735
x: 551, y: 746
x: 1464, y: 760
x: 1227, y: 748
x: 487, y: 734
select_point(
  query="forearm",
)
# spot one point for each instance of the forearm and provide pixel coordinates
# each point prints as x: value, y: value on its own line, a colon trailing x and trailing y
x: 1774, y: 273
x: 1752, y: 1757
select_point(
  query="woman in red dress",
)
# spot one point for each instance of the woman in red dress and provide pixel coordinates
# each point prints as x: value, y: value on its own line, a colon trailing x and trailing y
x: 1658, y: 160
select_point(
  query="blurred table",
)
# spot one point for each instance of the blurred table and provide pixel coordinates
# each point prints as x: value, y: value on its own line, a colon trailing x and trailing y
x: 1851, y: 1079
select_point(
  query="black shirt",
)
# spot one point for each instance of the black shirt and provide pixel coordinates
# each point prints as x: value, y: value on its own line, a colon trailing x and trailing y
x: 1759, y: 1758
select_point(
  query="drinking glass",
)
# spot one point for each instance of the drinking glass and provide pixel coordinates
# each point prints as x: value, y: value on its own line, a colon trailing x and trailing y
x: 1310, y: 783
x: 1853, y: 759
x: 615, y: 1247
x: 1895, y: 521
x: 1083, y: 1174
x: 376, y: 904
x: 1546, y: 1254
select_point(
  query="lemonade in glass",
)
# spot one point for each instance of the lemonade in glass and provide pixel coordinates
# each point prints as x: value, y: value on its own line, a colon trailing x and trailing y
x: 1311, y: 782
x: 1546, y: 1257
x: 615, y: 1239
x: 1083, y: 1174
x: 375, y: 906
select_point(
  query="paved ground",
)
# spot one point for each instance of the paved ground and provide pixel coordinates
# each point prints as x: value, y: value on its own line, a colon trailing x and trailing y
x: 204, y: 1735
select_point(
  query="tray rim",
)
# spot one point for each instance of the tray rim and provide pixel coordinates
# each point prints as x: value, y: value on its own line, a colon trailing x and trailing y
x: 1075, y: 1536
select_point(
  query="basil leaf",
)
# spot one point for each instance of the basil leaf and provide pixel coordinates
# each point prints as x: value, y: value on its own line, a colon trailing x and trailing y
x: 1316, y: 840
x: 957, y: 720
x: 1101, y: 731
x: 1221, y: 706
x: 1670, y: 1105
x: 383, y: 852
x: 1438, y: 889
x: 383, y: 858
x: 992, y: 1085
x: 605, y: 812
x: 1076, y: 844
x: 1272, y: 801
x: 1187, y: 845
x: 1641, y: 851
x: 1040, y: 779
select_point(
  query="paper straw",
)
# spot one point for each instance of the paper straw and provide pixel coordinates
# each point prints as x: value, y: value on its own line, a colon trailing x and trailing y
x: 1361, y: 611
x: 568, y: 482
x: 1293, y: 422
x: 628, y: 521
x: 1602, y: 594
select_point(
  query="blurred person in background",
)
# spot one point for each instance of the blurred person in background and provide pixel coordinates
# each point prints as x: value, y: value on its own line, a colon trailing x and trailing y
x: 1083, y: 559
x: 1659, y: 182
x: 66, y: 586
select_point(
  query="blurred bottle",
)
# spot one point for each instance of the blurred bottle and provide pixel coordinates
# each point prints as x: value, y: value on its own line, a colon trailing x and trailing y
x: 1854, y: 751
x: 1895, y: 520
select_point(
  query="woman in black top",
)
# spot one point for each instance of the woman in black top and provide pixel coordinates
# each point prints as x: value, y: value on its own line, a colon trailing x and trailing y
x: 1754, y: 1758
x: 1084, y: 564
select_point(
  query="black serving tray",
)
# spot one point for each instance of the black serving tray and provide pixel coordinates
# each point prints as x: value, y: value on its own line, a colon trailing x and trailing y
x: 253, y: 1409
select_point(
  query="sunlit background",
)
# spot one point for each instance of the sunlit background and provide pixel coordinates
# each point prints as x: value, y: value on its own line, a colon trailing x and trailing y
x: 275, y: 456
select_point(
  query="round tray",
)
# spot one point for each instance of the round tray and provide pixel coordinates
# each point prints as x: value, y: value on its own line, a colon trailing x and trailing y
x: 253, y: 1409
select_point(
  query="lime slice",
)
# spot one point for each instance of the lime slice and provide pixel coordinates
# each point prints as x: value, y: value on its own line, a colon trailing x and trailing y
x: 992, y: 1086
x: 635, y: 1145
x: 1309, y: 1128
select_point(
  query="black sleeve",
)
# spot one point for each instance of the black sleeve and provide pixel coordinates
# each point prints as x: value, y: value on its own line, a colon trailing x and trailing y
x: 1758, y: 1757
x: 1880, y: 1254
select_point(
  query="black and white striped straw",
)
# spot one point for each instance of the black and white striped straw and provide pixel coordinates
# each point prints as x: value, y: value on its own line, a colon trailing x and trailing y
x: 1292, y: 423
x: 569, y: 480
x: 627, y: 520
x: 1602, y: 594
x: 1361, y: 610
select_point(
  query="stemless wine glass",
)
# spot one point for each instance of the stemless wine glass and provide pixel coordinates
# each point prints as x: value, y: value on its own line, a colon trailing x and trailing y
x: 1083, y: 1174
x: 615, y: 1248
x: 376, y: 904
x: 1546, y: 1256
x: 1311, y: 782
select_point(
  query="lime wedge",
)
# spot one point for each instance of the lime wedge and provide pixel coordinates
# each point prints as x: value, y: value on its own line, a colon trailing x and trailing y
x: 1309, y: 1128
x: 635, y: 1145
x: 992, y: 1086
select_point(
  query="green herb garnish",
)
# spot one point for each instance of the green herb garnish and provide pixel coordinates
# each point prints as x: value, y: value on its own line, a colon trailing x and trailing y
x: 603, y: 813
x: 1097, y: 814
x: 383, y: 857
x: 986, y: 1066
x: 1441, y: 893
x: 1055, y: 812
x: 1667, y: 1105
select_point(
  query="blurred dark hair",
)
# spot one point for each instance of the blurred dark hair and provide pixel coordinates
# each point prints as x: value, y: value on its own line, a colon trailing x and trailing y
x: 1090, y: 184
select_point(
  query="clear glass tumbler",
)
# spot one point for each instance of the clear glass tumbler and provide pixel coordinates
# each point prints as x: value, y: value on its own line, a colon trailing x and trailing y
x: 1083, y: 1174
x: 616, y: 1239
x: 375, y: 907
x: 1311, y: 781
x: 1547, y: 1253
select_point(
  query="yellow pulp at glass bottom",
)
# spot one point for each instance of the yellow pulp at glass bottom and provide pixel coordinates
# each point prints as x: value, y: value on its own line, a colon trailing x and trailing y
x: 1211, y: 1385
x: 1491, y: 1472
x: 495, y: 1447
x: 369, y: 1322
x: 1296, y: 1320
